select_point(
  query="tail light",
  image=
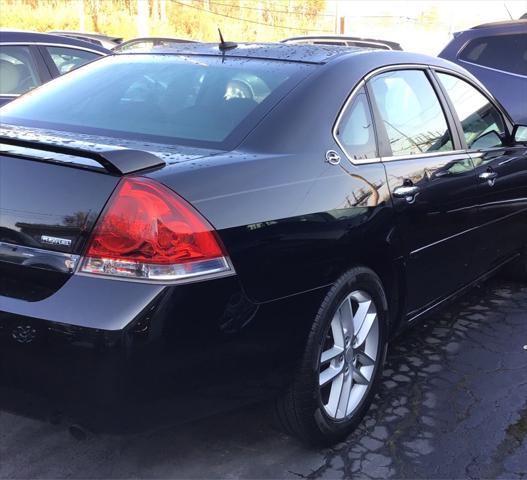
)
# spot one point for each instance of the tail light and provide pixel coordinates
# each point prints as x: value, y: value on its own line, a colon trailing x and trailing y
x: 148, y: 232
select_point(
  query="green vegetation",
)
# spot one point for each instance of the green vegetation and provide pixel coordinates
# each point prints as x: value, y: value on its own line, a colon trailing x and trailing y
x: 240, y: 20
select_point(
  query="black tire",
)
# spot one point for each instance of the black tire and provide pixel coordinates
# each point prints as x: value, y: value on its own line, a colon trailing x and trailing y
x: 517, y: 269
x: 300, y: 410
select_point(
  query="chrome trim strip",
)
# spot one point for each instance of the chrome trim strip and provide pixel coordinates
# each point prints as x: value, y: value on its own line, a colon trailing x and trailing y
x: 478, y: 86
x: 492, y: 222
x: 493, y: 69
x: 461, y: 290
x: 38, y: 258
x: 336, y: 126
x: 199, y: 277
x: 394, y: 158
x: 360, y: 84
x: 48, y: 44
x: 395, y: 67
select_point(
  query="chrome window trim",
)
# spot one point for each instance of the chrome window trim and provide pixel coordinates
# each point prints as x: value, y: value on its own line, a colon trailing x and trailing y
x: 507, y: 121
x: 438, y: 153
x: 480, y: 87
x: 46, y: 44
x: 362, y: 82
x: 336, y: 126
x: 19, y: 254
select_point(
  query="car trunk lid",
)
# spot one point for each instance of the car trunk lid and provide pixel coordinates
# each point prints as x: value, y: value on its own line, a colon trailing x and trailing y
x: 52, y: 192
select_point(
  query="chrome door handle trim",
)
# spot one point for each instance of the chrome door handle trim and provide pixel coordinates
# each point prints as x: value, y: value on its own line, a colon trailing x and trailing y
x: 489, y: 177
x: 408, y: 192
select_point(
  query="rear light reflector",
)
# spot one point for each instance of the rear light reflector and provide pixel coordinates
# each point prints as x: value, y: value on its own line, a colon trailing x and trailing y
x: 147, y: 232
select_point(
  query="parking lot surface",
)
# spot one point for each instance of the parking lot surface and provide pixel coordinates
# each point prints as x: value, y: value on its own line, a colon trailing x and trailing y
x: 453, y: 405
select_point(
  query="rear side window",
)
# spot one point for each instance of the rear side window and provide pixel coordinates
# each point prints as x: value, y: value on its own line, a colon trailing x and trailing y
x: 411, y: 112
x: 482, y: 123
x: 67, y: 59
x: 193, y: 100
x: 355, y: 129
x: 502, y: 52
x: 18, y: 72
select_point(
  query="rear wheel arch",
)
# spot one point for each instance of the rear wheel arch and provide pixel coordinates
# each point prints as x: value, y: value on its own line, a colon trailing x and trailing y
x: 391, y: 275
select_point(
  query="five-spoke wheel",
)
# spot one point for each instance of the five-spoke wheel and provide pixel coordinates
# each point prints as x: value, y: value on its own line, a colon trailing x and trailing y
x: 342, y: 362
x: 350, y: 352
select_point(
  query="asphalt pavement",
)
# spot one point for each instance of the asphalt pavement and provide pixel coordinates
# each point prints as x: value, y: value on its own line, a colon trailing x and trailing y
x: 453, y: 404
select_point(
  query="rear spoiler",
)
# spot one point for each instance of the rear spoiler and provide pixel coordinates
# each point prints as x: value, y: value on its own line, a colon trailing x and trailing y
x: 120, y: 161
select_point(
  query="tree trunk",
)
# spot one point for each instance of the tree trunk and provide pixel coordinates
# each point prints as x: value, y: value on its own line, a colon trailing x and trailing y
x: 142, y: 18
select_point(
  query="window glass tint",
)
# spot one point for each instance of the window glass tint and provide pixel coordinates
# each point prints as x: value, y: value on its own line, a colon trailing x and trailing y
x: 165, y: 98
x: 413, y: 117
x: 18, y: 72
x: 67, y: 59
x: 481, y: 122
x: 355, y: 130
x: 503, y: 52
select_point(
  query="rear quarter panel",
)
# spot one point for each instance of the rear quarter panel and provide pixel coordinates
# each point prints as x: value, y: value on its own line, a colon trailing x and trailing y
x: 290, y: 221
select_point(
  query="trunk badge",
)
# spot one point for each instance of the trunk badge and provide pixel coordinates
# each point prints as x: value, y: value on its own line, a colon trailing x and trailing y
x: 65, y: 242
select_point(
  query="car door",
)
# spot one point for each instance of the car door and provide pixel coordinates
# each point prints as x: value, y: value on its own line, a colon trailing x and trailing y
x: 501, y: 170
x: 21, y: 69
x: 431, y: 180
x: 62, y: 59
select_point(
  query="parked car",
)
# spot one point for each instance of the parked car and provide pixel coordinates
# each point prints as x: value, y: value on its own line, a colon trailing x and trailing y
x: 496, y: 53
x: 106, y: 41
x: 29, y: 59
x: 344, y: 41
x: 229, y: 244
x: 149, y: 42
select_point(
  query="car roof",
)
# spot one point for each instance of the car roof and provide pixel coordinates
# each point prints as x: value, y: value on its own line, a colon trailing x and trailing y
x: 367, y: 58
x: 504, y: 23
x: 8, y: 36
x: 318, y: 54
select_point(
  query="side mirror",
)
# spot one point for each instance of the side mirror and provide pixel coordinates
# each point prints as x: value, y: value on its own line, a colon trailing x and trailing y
x: 519, y: 134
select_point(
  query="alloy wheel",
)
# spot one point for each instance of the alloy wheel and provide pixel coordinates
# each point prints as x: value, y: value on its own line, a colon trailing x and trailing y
x: 349, y: 355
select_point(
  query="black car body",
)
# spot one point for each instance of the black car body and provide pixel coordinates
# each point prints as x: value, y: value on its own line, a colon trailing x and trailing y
x: 496, y: 54
x: 29, y: 59
x: 105, y: 41
x: 296, y: 174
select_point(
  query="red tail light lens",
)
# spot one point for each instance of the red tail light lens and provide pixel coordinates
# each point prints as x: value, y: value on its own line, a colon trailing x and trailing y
x: 148, y: 232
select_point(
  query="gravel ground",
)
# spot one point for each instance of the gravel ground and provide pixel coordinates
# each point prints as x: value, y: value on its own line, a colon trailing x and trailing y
x: 453, y: 405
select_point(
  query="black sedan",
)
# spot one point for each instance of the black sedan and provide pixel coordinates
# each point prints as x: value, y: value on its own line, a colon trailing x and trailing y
x: 247, y: 221
x: 29, y: 59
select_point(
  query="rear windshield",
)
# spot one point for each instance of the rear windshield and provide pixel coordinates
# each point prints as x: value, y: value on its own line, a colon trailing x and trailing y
x: 195, y: 100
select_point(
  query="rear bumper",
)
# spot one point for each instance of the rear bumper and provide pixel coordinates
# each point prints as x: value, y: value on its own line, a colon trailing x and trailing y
x: 105, y: 350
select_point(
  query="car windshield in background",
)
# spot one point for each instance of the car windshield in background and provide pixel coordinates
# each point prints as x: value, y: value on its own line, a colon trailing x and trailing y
x: 196, y: 100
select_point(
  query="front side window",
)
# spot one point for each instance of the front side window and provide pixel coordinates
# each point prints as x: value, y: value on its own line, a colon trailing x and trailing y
x: 481, y: 122
x: 190, y: 100
x: 412, y: 114
x: 355, y: 130
x: 18, y: 72
x: 67, y: 59
x: 502, y: 52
